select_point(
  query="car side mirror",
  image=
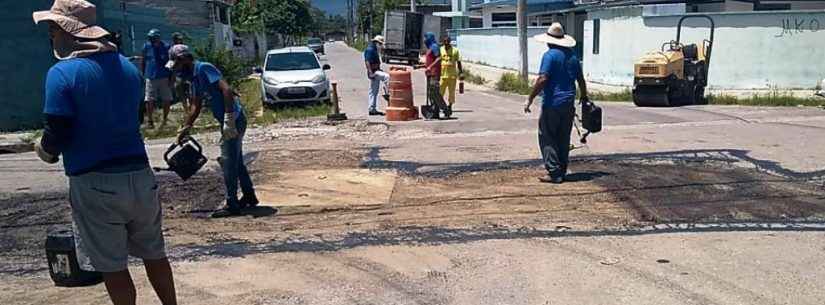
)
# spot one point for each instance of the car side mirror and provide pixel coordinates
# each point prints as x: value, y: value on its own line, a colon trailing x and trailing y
x: 258, y: 70
x: 327, y: 67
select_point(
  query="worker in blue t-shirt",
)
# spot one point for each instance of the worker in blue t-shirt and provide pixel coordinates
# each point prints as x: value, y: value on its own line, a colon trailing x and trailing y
x: 209, y: 86
x: 559, y: 71
x: 158, y: 78
x: 377, y: 77
x: 92, y: 96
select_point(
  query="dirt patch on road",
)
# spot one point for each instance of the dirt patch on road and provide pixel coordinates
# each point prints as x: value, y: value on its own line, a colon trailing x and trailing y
x: 600, y: 195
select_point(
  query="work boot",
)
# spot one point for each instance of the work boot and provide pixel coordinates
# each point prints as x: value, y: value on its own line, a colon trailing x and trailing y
x: 376, y: 112
x: 550, y: 179
x: 248, y: 201
x: 226, y: 212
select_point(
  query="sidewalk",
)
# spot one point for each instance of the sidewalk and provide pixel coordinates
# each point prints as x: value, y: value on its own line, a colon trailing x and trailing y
x: 18, y: 142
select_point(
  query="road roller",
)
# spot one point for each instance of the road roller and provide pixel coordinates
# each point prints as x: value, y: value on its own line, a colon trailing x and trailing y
x: 677, y: 74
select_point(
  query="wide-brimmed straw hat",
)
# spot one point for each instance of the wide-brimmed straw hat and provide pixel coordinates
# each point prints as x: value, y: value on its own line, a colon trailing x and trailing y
x: 77, y: 17
x: 379, y: 39
x: 555, y: 35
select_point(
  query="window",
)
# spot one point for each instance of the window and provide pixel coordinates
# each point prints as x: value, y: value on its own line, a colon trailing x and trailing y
x: 292, y: 61
x: 597, y: 25
x: 507, y: 17
x: 222, y: 13
x: 503, y: 19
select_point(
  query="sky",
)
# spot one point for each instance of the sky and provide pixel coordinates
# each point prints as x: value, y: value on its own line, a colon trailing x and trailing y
x: 339, y: 7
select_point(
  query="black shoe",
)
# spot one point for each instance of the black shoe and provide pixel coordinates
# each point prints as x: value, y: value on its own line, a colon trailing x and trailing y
x: 376, y: 112
x: 386, y: 97
x: 250, y: 201
x: 549, y: 179
x: 226, y: 212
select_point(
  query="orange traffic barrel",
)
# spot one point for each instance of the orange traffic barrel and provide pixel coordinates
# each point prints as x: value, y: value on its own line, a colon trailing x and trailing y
x: 401, y: 106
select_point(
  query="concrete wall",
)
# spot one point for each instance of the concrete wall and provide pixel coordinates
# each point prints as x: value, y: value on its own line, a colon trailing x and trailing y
x: 754, y: 50
x: 194, y: 18
x: 498, y: 47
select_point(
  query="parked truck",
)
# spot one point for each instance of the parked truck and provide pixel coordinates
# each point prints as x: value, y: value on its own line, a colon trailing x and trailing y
x: 404, y: 34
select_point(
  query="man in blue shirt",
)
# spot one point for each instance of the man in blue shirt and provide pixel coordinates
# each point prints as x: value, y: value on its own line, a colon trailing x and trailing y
x: 560, y: 70
x: 377, y: 77
x: 92, y: 98
x: 208, y: 85
x: 158, y: 78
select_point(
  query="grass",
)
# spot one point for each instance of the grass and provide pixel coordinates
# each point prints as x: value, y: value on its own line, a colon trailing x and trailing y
x: 775, y: 98
x: 472, y: 78
x: 510, y: 82
x: 257, y: 115
x: 622, y: 96
x: 359, y: 45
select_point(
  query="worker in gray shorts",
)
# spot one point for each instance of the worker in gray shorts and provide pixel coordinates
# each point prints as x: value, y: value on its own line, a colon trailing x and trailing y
x: 158, y: 78
x: 91, y: 104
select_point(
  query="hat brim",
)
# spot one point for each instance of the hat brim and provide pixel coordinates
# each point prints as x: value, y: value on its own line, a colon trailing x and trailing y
x: 567, y: 41
x: 70, y: 25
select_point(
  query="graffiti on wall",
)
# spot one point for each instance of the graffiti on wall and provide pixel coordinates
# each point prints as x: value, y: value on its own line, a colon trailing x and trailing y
x: 797, y: 25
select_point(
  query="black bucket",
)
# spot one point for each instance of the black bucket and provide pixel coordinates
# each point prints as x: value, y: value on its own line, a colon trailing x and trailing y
x: 63, y: 266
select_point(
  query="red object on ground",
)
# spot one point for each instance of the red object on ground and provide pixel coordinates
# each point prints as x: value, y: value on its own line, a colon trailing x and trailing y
x: 401, y: 106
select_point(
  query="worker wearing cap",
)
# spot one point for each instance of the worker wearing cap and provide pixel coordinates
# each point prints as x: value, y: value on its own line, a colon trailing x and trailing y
x: 559, y: 71
x: 374, y: 74
x: 158, y: 84
x: 182, y: 86
x: 91, y: 103
x: 209, y: 86
x: 451, y: 70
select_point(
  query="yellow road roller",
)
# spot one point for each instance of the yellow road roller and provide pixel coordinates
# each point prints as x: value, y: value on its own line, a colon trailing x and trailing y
x: 677, y: 74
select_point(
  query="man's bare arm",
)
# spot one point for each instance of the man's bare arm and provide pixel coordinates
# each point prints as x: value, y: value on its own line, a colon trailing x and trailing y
x: 228, y: 96
x: 537, y: 87
x: 582, y: 85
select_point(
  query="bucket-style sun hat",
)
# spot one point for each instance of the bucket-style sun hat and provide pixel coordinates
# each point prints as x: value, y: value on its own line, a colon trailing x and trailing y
x: 77, y: 17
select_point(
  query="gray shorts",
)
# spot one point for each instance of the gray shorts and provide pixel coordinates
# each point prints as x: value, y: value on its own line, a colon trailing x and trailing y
x: 116, y: 215
x: 158, y: 89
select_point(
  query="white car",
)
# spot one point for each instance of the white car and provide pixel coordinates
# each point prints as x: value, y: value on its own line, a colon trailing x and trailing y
x: 293, y: 75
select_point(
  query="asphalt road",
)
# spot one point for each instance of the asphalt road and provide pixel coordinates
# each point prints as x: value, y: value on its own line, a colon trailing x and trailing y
x: 424, y: 263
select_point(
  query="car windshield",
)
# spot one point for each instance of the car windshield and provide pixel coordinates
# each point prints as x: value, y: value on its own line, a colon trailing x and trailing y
x: 291, y: 61
x: 314, y: 41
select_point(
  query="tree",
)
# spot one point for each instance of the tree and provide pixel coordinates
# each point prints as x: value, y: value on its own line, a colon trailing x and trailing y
x: 375, y: 8
x: 290, y: 18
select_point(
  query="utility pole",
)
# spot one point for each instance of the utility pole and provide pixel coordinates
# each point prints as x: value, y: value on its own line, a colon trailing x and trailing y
x: 412, y: 6
x: 521, y: 19
x: 349, y: 22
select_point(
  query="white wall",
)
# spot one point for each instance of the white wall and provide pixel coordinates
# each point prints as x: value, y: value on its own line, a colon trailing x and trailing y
x: 753, y: 50
x: 499, y: 47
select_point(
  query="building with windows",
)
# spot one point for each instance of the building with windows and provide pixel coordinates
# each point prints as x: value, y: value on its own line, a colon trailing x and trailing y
x: 760, y: 45
x: 24, y: 66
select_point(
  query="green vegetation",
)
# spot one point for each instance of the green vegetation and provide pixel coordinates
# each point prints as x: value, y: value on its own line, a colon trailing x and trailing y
x: 291, y: 18
x: 510, y: 82
x: 233, y: 68
x: 359, y: 45
x: 775, y: 98
x: 249, y: 90
x: 624, y: 96
x: 472, y: 78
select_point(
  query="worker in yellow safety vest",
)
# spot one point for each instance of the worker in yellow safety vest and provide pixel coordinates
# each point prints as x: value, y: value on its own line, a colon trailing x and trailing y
x: 451, y: 70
